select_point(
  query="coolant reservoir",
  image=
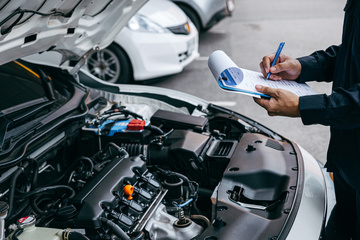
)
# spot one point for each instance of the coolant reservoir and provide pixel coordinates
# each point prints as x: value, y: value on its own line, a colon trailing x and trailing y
x: 31, y: 232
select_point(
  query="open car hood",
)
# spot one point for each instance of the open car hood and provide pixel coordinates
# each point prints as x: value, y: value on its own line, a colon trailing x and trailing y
x: 70, y: 27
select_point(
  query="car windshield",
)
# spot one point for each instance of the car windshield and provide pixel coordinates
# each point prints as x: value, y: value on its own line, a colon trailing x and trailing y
x: 21, y: 87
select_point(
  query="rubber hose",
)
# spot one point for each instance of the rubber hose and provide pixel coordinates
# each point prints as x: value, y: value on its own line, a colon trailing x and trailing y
x: 45, y: 189
x: 201, y: 217
x: 15, y: 215
x: 117, y: 230
x: 155, y: 129
x: 36, y: 173
x: 87, y: 159
x: 74, y: 236
x: 18, y: 172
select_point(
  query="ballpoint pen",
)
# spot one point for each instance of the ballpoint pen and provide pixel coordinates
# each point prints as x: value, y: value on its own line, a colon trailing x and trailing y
x: 278, y: 51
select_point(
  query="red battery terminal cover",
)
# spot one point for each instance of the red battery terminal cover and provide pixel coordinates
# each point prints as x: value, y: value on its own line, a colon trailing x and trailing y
x: 136, y: 125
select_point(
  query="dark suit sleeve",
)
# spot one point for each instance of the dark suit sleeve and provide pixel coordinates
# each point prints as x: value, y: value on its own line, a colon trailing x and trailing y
x: 319, y: 66
x: 340, y: 110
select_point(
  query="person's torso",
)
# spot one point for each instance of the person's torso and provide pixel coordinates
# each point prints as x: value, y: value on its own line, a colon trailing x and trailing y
x: 344, y: 147
x: 347, y: 69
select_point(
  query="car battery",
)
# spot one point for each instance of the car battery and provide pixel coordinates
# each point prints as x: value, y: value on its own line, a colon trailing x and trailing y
x: 127, y: 130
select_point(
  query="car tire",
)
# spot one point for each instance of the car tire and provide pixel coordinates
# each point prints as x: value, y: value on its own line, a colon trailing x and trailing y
x: 192, y: 15
x: 111, y: 65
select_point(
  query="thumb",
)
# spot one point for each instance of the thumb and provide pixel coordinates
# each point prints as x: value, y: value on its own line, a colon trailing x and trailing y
x: 265, y: 90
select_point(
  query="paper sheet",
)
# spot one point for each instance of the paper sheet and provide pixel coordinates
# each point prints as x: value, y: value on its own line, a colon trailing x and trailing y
x: 232, y: 78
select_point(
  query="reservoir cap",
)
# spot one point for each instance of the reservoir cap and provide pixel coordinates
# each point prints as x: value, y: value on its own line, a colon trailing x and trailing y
x: 25, y: 222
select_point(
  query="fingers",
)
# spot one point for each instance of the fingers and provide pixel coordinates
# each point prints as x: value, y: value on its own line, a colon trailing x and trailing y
x: 274, y: 76
x: 265, y: 103
x: 277, y: 68
x: 286, y: 68
x: 265, y: 64
x: 266, y: 90
x: 281, y: 103
x: 280, y: 66
x: 262, y: 68
x: 262, y: 102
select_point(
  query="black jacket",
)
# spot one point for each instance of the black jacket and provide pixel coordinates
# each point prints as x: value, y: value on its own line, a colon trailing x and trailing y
x: 341, y: 109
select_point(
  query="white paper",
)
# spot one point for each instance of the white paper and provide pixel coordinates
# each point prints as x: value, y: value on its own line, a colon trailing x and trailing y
x: 232, y: 78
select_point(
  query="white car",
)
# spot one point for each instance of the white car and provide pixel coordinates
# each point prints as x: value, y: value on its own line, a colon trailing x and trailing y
x: 205, y: 14
x: 158, y: 41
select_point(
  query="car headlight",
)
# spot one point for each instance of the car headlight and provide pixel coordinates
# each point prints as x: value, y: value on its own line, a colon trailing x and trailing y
x: 181, y: 29
x: 144, y: 24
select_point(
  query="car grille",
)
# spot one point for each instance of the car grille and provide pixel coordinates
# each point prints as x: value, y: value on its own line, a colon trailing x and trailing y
x: 182, y: 56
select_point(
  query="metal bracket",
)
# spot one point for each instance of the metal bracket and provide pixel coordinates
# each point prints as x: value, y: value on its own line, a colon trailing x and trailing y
x: 82, y: 61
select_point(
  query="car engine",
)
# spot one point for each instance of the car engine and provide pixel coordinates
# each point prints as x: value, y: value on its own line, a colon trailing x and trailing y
x: 117, y: 174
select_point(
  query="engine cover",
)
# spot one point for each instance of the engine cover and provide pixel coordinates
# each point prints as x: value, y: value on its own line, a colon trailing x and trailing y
x: 104, y: 195
x: 257, y: 190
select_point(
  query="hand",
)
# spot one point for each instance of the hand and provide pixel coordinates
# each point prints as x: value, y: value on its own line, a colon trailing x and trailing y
x: 286, y: 68
x: 281, y: 103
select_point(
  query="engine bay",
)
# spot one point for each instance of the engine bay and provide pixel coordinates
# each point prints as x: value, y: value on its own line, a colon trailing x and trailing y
x: 119, y: 174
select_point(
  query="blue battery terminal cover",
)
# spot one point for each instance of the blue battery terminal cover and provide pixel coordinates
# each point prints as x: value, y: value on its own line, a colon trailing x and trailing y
x: 115, y: 127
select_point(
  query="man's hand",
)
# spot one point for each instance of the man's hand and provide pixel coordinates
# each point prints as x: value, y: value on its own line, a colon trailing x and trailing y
x: 281, y: 103
x: 286, y: 68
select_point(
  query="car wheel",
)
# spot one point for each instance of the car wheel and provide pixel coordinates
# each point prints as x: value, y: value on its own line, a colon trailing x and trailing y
x: 192, y: 15
x: 111, y: 65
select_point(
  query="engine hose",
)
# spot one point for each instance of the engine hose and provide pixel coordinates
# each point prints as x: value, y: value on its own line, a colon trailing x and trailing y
x: 34, y: 206
x: 122, y: 152
x: 193, y: 189
x: 116, y: 229
x: 67, y: 234
x: 67, y: 171
x: 133, y: 149
x: 155, y: 129
x: 70, y: 168
x: 201, y: 217
x: 15, y: 215
x: 33, y: 186
x: 35, y: 175
x: 45, y: 189
x: 120, y: 111
x: 88, y: 160
x: 17, y: 173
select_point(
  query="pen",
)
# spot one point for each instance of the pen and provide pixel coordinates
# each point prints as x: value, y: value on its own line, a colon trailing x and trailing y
x: 278, y: 51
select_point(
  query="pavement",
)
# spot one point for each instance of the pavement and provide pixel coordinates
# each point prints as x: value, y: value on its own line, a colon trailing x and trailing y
x: 256, y: 29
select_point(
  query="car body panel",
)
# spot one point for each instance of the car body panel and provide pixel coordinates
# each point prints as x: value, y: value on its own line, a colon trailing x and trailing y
x: 75, y: 29
x: 208, y: 9
x: 155, y: 55
x: 317, y: 201
x: 164, y: 13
